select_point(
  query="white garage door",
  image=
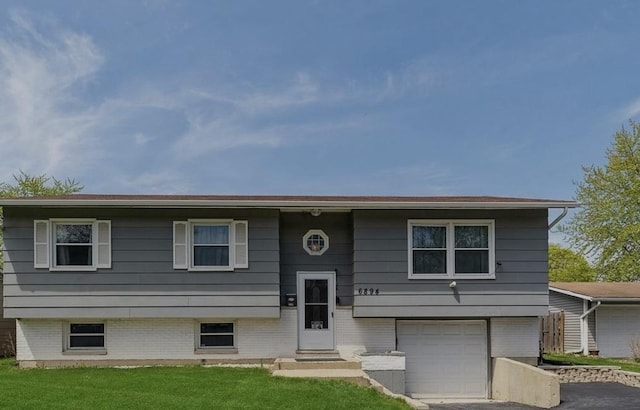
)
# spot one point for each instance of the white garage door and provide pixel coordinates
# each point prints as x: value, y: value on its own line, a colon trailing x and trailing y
x: 444, y: 358
x: 616, y: 326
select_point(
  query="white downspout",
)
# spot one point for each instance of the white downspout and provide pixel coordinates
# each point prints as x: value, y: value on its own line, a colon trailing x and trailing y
x: 584, y: 326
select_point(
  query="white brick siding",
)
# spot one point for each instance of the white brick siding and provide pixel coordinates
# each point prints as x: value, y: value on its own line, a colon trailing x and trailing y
x: 37, y: 339
x: 255, y: 338
x: 176, y: 338
x: 514, y: 336
x: 363, y: 334
x: 259, y: 338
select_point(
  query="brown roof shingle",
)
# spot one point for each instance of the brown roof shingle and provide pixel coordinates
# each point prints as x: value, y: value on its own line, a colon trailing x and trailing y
x: 601, y: 290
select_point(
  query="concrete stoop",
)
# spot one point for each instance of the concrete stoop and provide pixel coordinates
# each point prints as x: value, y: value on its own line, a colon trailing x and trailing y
x: 322, y: 367
x: 309, y: 363
x: 341, y: 369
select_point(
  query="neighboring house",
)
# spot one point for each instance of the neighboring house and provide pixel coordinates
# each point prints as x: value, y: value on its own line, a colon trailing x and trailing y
x: 600, y: 317
x: 451, y: 281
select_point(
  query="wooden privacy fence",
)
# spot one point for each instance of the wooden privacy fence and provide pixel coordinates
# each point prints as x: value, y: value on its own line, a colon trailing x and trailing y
x: 552, y: 333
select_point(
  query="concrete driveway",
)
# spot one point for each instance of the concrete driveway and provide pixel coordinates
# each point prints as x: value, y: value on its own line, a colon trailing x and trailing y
x: 573, y: 396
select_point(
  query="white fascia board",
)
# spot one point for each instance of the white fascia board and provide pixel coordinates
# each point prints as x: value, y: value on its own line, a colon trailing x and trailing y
x: 283, y: 205
x: 569, y: 293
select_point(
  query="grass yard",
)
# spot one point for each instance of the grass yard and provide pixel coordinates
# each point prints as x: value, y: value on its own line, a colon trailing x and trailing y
x: 190, y: 387
x: 627, y: 365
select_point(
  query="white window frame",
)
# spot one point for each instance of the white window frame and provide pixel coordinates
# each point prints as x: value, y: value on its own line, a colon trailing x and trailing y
x: 211, y: 222
x: 230, y: 349
x: 450, y: 225
x: 184, y: 244
x: 95, y: 244
x: 92, y: 350
x: 309, y: 234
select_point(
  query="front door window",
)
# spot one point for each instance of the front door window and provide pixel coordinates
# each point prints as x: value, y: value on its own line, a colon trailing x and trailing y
x: 316, y: 301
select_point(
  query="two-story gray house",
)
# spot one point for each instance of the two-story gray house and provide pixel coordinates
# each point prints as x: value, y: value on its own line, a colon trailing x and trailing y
x: 110, y: 279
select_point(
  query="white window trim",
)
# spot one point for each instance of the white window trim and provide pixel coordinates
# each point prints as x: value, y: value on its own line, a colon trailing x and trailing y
x: 310, y: 233
x: 234, y: 246
x: 232, y: 236
x: 84, y: 350
x: 450, y: 224
x: 216, y: 349
x: 94, y: 244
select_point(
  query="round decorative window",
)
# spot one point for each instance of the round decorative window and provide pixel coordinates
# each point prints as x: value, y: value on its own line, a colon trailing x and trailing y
x: 315, y: 242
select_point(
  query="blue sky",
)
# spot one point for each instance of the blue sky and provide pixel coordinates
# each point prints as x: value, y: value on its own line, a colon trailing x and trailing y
x: 316, y: 97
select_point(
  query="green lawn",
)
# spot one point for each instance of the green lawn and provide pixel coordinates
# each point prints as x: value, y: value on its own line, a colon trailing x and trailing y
x: 191, y: 387
x: 627, y: 365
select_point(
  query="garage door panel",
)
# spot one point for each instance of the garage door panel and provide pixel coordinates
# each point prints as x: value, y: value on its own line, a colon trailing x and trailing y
x: 616, y: 326
x: 444, y: 359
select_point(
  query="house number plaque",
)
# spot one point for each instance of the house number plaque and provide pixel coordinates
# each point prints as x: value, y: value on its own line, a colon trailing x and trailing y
x: 368, y: 291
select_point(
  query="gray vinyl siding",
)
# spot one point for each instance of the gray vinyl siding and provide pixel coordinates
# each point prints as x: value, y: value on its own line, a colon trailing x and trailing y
x: 7, y: 329
x: 573, y: 309
x: 142, y: 281
x: 591, y: 335
x: 381, y: 263
x: 338, y: 258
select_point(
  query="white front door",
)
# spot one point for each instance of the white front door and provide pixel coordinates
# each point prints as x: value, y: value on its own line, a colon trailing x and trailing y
x: 316, y: 306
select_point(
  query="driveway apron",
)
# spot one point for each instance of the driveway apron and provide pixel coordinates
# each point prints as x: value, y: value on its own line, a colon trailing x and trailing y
x: 573, y: 396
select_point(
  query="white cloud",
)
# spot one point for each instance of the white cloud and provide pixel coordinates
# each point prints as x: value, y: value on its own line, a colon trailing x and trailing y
x: 416, y: 76
x: 167, y: 181
x: 301, y: 91
x: 507, y: 150
x: 630, y: 111
x: 42, y: 126
x: 142, y: 139
x: 48, y: 126
x: 414, y: 179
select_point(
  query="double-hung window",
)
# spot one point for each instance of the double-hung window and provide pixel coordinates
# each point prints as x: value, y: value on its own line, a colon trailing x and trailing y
x: 72, y: 244
x: 210, y: 245
x: 451, y: 249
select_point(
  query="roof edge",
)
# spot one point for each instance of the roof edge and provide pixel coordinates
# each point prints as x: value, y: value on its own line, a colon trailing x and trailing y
x: 570, y: 293
x: 293, y: 202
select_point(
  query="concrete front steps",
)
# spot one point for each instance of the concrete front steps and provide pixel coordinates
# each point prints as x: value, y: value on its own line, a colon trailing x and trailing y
x: 320, y: 365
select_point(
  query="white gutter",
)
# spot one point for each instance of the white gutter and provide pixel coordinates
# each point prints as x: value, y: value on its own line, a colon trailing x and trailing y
x: 584, y: 326
x: 559, y: 218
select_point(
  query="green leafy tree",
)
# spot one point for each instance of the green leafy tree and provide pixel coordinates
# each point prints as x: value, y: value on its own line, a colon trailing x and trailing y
x: 566, y: 265
x: 607, y: 226
x: 26, y: 185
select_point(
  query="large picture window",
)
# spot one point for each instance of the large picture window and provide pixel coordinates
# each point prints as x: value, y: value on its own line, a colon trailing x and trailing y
x: 448, y: 249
